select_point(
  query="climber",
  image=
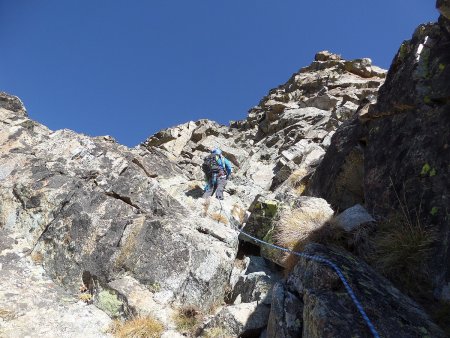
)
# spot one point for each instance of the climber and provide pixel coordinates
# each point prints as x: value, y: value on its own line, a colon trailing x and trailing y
x: 217, y: 170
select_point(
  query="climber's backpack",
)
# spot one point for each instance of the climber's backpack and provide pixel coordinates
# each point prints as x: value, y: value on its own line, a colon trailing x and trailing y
x: 210, y: 165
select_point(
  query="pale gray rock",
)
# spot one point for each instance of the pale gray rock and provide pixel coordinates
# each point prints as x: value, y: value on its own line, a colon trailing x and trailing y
x: 326, y: 55
x: 90, y: 205
x: 240, y: 318
x: 144, y: 301
x: 351, y: 218
x: 32, y: 305
x: 361, y: 67
x: 255, y: 286
x: 134, y: 220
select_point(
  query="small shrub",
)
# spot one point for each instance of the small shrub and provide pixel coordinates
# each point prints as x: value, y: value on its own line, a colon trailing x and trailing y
x: 187, y: 319
x: 139, y: 327
x: 219, y: 218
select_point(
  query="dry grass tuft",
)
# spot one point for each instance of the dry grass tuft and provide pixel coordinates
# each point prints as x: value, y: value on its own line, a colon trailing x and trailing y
x: 401, y: 250
x: 206, y: 204
x: 296, y: 226
x: 238, y: 213
x: 216, y: 332
x: 219, y: 218
x: 328, y: 235
x: 7, y: 314
x: 297, y: 180
x: 194, y: 185
x: 85, y: 297
x: 139, y: 327
x: 187, y: 319
x: 357, y: 242
x: 37, y: 258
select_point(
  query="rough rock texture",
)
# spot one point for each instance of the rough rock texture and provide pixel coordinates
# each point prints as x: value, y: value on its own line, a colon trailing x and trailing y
x: 289, y: 129
x: 352, y: 218
x: 254, y: 283
x: 241, y: 319
x: 27, y: 296
x: 393, y: 155
x: 293, y: 220
x: 93, y: 210
x: 129, y: 224
x: 313, y: 302
x: 414, y: 132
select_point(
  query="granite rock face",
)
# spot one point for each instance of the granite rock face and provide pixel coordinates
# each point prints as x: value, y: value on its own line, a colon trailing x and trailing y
x: 312, y: 302
x: 289, y: 129
x: 89, y: 206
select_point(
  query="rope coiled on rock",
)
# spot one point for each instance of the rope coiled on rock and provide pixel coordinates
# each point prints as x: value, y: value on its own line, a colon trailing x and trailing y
x: 320, y: 259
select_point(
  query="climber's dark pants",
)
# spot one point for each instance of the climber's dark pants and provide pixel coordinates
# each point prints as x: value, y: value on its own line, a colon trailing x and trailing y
x: 218, y: 188
x: 221, y: 183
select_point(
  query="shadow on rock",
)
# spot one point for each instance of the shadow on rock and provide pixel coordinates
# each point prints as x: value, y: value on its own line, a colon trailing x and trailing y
x: 195, y: 193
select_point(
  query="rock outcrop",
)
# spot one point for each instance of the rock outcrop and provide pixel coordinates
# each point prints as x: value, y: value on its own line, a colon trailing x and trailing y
x: 342, y: 154
x: 312, y: 302
x: 393, y: 154
x: 93, y: 211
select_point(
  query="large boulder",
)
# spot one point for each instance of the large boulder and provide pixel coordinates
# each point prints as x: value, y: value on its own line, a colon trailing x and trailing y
x: 314, y: 303
x: 240, y: 320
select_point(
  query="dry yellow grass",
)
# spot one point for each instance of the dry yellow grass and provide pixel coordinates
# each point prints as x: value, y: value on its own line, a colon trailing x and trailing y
x: 238, y: 213
x: 7, y: 314
x: 219, y: 218
x: 139, y: 327
x: 297, y: 179
x: 216, y: 332
x: 37, y: 257
x: 85, y: 297
x: 296, y: 225
x: 401, y: 250
x: 187, y: 319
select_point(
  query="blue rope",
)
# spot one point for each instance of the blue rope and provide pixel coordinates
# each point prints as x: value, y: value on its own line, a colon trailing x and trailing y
x: 336, y: 269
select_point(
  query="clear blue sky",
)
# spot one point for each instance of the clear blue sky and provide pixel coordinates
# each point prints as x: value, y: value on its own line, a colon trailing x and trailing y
x: 131, y: 68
